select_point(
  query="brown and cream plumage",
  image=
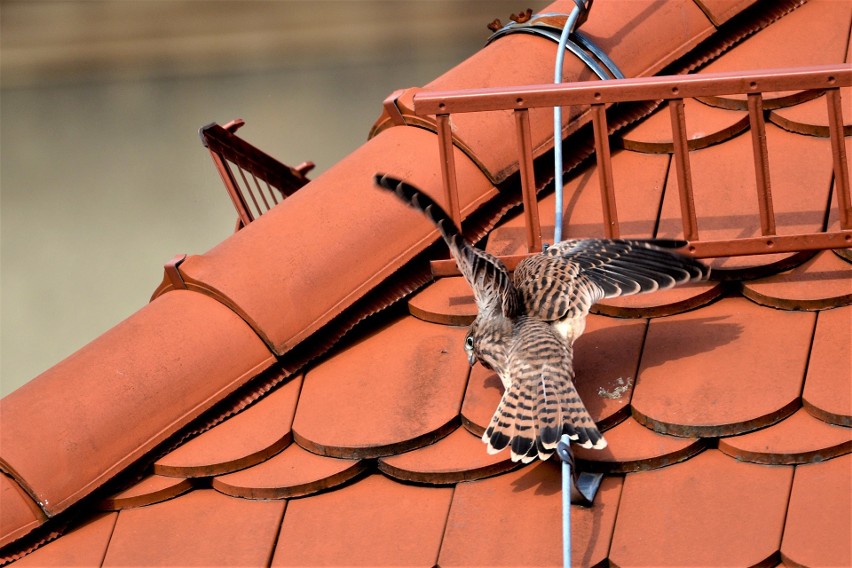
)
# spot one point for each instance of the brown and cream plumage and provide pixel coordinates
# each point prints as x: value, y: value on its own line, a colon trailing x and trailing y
x: 527, y: 323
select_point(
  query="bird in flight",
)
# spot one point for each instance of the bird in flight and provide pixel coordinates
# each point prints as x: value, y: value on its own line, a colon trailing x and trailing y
x: 527, y: 322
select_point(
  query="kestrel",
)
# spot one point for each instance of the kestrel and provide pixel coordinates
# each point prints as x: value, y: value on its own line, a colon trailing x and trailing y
x: 527, y: 323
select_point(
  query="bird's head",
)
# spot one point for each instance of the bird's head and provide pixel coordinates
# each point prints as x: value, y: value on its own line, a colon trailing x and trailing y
x: 486, y: 341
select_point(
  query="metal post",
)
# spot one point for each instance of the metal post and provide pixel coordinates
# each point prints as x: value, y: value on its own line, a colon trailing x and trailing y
x: 564, y: 451
x: 570, y: 23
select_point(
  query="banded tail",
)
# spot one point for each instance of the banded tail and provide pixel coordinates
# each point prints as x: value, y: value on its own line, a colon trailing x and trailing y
x: 492, y: 286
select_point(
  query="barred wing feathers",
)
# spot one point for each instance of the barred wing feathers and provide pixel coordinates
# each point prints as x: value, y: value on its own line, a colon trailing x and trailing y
x: 572, y: 275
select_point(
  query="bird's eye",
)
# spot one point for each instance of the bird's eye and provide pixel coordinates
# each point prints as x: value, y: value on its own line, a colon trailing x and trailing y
x: 468, y: 342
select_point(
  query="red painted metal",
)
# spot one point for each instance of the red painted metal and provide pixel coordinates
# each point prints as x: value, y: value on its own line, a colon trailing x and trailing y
x: 629, y: 90
x: 604, y: 158
x: 674, y: 89
x: 761, y: 163
x: 254, y: 180
x: 683, y: 170
x: 838, y: 150
x: 448, y: 167
x: 533, y: 226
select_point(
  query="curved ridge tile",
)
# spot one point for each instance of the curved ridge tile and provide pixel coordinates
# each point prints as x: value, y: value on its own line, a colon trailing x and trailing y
x: 606, y: 359
x: 200, y: 528
x: 150, y: 490
x: 333, y: 241
x: 705, y: 126
x: 725, y: 369
x: 20, y: 513
x: 395, y: 390
x: 292, y: 473
x: 714, y: 511
x: 145, y: 379
x: 523, y: 59
x: 448, y: 301
x: 720, y: 11
x: 819, y: 517
x: 825, y: 281
x: 518, y: 520
x: 632, y: 447
x: 639, y: 180
x: 800, y: 438
x: 726, y: 203
x: 248, y: 438
x: 373, y: 521
x: 813, y: 34
x: 460, y: 456
x: 827, y: 395
x: 83, y: 545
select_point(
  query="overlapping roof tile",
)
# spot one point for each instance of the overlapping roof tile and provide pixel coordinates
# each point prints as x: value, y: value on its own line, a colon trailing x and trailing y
x: 726, y: 405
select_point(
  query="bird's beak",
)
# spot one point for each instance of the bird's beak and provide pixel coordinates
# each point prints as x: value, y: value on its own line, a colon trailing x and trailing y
x: 471, y: 358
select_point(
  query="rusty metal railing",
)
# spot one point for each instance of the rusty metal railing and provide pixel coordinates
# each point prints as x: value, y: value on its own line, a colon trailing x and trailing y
x: 255, y: 181
x: 674, y: 89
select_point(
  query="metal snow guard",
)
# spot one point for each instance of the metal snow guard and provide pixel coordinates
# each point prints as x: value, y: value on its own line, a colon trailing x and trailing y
x: 674, y: 89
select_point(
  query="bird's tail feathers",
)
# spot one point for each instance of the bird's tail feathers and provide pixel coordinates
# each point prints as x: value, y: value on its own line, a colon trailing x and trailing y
x: 533, y: 415
x: 418, y: 200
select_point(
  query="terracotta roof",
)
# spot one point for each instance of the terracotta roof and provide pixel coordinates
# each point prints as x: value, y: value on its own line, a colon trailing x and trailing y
x: 220, y: 431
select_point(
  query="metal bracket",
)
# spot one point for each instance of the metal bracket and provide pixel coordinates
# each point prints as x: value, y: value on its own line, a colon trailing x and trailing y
x: 172, y: 271
x: 550, y: 24
x: 584, y: 486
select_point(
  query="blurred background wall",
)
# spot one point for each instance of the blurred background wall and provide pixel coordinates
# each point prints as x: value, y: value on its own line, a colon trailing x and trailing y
x: 102, y: 176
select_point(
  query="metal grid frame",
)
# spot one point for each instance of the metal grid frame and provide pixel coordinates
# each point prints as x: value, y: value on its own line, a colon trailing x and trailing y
x: 255, y: 181
x: 674, y: 89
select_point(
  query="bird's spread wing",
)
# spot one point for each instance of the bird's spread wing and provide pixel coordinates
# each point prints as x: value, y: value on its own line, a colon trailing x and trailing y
x: 577, y: 273
x: 492, y: 286
x: 540, y: 403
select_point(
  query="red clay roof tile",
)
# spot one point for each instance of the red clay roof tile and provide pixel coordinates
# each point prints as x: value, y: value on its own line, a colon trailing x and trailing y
x: 246, y: 439
x: 825, y: 281
x: 204, y: 351
x: 810, y: 117
x: 726, y: 198
x: 400, y: 389
x: 707, y: 511
x: 20, y: 513
x: 663, y: 302
x: 516, y: 520
x: 84, y: 545
x: 633, y: 447
x: 720, y: 11
x: 447, y: 301
x: 639, y: 181
x: 373, y: 521
x: 819, y: 518
x: 827, y: 395
x: 800, y: 438
x: 706, y: 126
x: 201, y: 528
x: 458, y: 457
x: 606, y: 359
x: 613, y: 27
x: 150, y: 490
x: 292, y: 473
x: 725, y: 369
x: 265, y: 271
x: 813, y: 34
x: 397, y: 391
x: 482, y: 395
